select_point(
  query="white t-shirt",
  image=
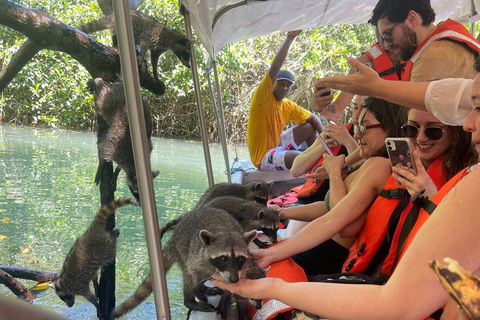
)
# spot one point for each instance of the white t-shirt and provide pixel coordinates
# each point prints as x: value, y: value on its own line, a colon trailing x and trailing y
x: 450, y: 100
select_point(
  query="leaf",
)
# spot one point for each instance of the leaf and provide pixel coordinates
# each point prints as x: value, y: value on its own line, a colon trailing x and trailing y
x: 27, y: 249
x: 4, y: 220
x: 2, y: 237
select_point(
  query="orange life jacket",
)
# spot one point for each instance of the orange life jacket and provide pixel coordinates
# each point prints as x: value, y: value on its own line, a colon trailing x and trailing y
x: 383, y: 65
x: 423, y: 215
x: 374, y: 240
x: 449, y: 29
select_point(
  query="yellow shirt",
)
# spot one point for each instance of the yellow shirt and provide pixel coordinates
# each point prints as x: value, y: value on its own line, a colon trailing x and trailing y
x: 268, y: 118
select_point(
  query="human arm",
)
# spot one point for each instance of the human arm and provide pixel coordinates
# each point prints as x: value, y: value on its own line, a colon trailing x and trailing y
x: 370, y: 179
x: 413, y: 291
x: 367, y: 82
x: 338, y: 189
x: 350, y: 160
x: 281, y: 55
x: 415, y: 183
x: 307, y: 212
x: 316, y: 122
x: 304, y: 162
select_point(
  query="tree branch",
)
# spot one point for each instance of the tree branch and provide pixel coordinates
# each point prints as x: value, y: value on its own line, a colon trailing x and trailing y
x: 29, y: 274
x: 49, y: 33
x: 16, y: 287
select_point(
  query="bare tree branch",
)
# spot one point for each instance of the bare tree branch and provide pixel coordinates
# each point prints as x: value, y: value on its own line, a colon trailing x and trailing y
x: 49, y: 33
x: 16, y: 287
x: 29, y: 274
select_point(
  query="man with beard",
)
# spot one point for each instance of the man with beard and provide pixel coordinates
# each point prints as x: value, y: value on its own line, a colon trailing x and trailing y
x: 431, y: 51
x: 270, y: 148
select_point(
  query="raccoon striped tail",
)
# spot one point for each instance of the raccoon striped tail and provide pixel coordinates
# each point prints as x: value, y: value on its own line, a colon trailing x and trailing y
x: 143, y: 291
x: 107, y: 210
x: 170, y: 225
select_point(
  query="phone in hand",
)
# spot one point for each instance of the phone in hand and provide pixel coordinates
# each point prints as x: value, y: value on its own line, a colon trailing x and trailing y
x: 400, y: 153
x: 325, y: 147
x: 326, y: 93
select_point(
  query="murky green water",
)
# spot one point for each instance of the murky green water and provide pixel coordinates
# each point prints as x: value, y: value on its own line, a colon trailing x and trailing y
x: 48, y: 198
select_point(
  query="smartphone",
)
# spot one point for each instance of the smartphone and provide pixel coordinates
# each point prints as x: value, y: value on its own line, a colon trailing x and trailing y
x: 400, y: 153
x: 327, y: 149
x: 325, y: 93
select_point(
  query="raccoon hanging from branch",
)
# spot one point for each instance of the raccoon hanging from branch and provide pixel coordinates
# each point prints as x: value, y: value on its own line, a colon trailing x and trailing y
x: 205, y: 241
x: 149, y: 35
x: 93, y: 250
x: 114, y: 142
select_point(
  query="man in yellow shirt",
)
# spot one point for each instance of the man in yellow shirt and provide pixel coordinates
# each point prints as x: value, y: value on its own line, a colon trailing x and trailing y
x: 269, y: 146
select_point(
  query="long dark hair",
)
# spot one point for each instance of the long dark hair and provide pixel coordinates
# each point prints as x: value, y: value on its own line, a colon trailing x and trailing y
x: 460, y: 154
x: 390, y: 115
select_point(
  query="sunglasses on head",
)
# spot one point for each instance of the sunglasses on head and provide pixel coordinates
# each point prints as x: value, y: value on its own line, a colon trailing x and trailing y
x: 432, y: 133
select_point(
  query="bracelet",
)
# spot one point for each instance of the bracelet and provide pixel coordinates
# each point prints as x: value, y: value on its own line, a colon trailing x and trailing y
x: 335, y: 178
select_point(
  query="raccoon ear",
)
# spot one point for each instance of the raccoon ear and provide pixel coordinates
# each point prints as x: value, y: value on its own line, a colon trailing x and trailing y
x: 206, y: 237
x: 270, y: 183
x: 250, y: 236
x: 260, y: 215
x: 155, y: 174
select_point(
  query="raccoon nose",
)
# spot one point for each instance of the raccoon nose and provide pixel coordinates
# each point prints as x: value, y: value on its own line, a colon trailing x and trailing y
x: 233, y: 278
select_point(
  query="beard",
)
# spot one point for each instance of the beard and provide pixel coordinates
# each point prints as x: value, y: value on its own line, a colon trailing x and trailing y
x: 407, y: 46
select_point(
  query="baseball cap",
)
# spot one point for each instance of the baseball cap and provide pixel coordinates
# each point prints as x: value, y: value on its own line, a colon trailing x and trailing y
x: 285, y: 75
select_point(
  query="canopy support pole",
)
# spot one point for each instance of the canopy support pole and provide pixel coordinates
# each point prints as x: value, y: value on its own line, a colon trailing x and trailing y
x: 141, y: 155
x: 472, y: 24
x: 198, y: 98
x: 219, y: 114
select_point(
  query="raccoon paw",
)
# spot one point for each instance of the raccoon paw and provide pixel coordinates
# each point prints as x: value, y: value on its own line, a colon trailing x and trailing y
x: 200, y: 306
x: 260, y: 243
x: 115, y: 232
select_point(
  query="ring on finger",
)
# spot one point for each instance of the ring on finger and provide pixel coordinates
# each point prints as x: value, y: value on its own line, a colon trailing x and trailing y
x: 413, y: 178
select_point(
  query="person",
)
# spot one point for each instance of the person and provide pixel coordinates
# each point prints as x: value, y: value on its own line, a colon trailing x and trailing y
x: 431, y: 51
x: 413, y: 291
x: 384, y: 62
x: 348, y: 199
x: 270, y: 110
x: 440, y: 152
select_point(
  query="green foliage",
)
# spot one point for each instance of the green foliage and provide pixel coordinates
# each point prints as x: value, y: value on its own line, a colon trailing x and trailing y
x: 50, y: 90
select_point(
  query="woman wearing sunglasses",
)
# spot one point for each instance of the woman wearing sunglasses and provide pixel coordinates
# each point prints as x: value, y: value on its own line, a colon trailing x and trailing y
x: 413, y: 291
x: 440, y: 152
x: 349, y: 198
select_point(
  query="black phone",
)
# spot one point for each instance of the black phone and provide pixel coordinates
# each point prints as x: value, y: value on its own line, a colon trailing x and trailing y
x: 400, y: 153
x: 325, y: 93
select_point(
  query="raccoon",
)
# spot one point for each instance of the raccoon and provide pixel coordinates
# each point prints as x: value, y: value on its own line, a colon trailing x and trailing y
x: 250, y: 215
x: 114, y: 141
x: 258, y: 190
x: 95, y: 249
x: 150, y: 35
x: 205, y: 241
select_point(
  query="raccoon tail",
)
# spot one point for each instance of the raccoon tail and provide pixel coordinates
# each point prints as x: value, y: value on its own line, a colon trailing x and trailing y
x: 143, y: 291
x: 97, y: 25
x: 107, y: 210
x: 170, y: 225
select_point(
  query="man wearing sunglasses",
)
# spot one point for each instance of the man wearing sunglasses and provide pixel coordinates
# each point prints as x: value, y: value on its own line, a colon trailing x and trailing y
x: 431, y: 51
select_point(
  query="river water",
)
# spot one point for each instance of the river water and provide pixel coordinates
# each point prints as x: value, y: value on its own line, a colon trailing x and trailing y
x: 48, y: 198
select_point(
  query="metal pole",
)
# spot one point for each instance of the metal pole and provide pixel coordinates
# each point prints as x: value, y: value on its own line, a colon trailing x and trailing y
x: 473, y: 31
x: 219, y: 115
x: 198, y: 98
x: 141, y: 154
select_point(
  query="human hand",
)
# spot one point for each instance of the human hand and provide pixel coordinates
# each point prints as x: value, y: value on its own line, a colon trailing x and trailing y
x: 364, y: 82
x: 415, y: 184
x: 321, y: 102
x: 333, y: 164
x: 263, y: 257
x: 264, y: 288
x: 338, y: 132
x: 319, y: 174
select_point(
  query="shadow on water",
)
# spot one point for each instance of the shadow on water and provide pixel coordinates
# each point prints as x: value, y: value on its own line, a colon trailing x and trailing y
x: 48, y: 198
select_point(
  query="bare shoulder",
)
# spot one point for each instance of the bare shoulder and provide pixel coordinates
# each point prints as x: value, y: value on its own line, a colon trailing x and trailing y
x: 377, y: 163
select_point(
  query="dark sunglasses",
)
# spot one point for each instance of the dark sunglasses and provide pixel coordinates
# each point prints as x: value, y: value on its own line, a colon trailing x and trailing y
x: 386, y: 35
x: 432, y: 133
x: 362, y: 128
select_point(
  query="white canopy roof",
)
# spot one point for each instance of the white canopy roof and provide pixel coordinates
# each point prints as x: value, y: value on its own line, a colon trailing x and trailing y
x: 218, y: 22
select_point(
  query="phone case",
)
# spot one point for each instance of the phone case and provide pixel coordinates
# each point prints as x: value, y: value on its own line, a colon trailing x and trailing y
x: 400, y: 152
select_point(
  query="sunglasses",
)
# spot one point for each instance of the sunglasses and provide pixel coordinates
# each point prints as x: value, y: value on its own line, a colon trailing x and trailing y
x: 432, y: 133
x: 386, y: 35
x: 362, y: 128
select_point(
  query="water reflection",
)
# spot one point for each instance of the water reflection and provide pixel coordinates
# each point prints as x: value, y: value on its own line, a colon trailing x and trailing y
x: 48, y: 198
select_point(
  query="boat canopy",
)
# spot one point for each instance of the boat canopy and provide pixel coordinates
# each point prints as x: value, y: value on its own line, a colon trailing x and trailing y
x: 219, y: 22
